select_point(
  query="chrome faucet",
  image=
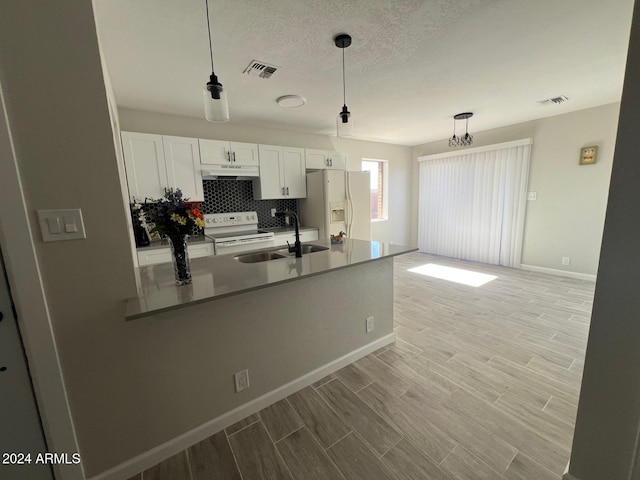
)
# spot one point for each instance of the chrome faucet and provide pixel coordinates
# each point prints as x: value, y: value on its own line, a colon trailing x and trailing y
x: 297, y: 246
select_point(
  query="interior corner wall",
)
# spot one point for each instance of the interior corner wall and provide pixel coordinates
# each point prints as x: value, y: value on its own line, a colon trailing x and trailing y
x: 58, y: 114
x: 395, y: 230
x: 605, y: 443
x: 567, y: 218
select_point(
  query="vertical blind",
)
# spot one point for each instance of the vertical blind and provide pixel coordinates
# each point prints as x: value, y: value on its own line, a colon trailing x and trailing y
x: 472, y: 203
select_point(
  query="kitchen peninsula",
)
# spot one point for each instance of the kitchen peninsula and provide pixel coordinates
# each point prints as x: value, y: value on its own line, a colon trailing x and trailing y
x: 221, y: 276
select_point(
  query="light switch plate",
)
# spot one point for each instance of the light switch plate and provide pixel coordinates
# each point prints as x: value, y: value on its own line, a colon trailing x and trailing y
x: 57, y: 225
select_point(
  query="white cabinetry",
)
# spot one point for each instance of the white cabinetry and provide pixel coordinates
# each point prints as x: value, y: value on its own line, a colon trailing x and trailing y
x: 156, y: 162
x: 282, y: 173
x: 305, y: 236
x: 219, y: 152
x: 182, y: 159
x: 325, y: 160
x: 152, y: 256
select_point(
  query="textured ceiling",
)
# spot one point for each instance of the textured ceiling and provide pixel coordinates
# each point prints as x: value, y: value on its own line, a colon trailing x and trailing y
x: 412, y: 65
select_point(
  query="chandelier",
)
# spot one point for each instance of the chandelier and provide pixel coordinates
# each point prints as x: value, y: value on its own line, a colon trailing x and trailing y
x: 463, y: 140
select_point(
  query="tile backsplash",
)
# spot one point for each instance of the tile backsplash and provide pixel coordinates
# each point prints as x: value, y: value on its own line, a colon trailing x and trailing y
x: 221, y: 196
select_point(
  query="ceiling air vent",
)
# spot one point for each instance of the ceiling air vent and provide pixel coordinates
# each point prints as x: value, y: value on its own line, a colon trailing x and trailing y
x: 260, y: 69
x: 554, y: 100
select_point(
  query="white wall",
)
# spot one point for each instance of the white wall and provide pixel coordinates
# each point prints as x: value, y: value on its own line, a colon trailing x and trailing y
x: 395, y: 230
x: 568, y: 217
x: 605, y: 444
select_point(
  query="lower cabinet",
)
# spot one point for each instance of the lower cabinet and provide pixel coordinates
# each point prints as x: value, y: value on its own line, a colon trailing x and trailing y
x: 163, y: 255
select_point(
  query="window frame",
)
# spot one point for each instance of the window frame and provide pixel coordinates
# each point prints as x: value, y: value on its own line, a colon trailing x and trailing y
x: 383, y: 187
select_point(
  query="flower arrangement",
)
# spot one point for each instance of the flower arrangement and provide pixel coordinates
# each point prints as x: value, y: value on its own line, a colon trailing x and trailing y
x: 173, y: 215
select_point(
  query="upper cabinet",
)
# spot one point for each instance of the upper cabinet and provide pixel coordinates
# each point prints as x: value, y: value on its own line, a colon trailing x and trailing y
x: 219, y: 152
x: 182, y: 159
x: 325, y: 160
x: 282, y: 173
x: 156, y: 162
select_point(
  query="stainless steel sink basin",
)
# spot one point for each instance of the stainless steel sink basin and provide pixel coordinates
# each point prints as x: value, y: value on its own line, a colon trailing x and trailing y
x: 258, y: 257
x: 306, y: 249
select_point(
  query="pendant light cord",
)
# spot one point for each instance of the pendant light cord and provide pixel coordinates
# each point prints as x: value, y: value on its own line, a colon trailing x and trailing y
x: 344, y: 85
x: 209, y: 30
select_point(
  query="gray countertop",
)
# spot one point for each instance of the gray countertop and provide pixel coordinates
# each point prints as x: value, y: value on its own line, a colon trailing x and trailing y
x: 164, y: 243
x: 221, y: 276
x: 277, y: 230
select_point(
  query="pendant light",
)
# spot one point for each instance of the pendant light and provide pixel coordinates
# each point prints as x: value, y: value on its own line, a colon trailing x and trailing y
x: 216, y: 107
x: 343, y: 122
x: 465, y: 140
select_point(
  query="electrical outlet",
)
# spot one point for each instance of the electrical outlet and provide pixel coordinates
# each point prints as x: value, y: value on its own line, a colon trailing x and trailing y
x: 566, y: 260
x: 370, y: 325
x: 286, y: 220
x: 532, y: 195
x: 242, y: 380
x: 273, y: 212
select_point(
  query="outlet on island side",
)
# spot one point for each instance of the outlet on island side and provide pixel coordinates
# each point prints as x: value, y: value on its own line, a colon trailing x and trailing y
x: 566, y: 260
x: 369, y: 325
x: 242, y: 380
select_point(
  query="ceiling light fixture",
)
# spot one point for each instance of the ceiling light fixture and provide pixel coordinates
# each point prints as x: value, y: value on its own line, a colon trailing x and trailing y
x: 216, y: 107
x: 467, y: 139
x: 344, y: 124
x: 291, y: 101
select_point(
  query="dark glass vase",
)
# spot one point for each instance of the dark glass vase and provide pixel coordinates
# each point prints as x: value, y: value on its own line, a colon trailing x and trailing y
x: 180, y: 256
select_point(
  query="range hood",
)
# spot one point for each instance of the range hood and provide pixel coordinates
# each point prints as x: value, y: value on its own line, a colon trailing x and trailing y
x: 230, y: 172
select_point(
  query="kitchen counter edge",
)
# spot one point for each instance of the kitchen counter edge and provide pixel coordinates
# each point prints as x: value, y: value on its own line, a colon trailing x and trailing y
x: 222, y: 276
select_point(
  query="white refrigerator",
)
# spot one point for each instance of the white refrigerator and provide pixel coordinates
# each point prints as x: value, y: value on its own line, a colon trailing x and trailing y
x: 338, y: 201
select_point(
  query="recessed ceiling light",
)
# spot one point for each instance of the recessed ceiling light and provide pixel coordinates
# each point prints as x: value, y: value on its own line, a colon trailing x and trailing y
x: 291, y: 101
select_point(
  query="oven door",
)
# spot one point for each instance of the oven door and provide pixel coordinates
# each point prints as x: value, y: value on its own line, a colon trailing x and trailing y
x: 243, y: 245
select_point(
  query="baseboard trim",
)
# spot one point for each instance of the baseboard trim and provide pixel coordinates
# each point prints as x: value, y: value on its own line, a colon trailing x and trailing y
x: 560, y: 273
x: 568, y: 476
x: 176, y: 445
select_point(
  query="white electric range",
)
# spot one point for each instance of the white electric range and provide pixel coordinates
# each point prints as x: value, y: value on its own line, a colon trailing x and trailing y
x: 236, y: 232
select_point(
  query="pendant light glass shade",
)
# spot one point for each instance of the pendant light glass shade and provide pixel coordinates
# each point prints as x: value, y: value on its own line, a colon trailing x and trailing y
x: 344, y: 124
x: 216, y: 110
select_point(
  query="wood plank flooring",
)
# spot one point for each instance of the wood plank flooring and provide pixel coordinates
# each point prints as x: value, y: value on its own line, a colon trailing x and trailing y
x: 482, y: 383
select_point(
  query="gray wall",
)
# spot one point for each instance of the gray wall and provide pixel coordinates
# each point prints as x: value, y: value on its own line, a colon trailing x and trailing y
x: 608, y: 423
x: 395, y: 230
x: 568, y: 216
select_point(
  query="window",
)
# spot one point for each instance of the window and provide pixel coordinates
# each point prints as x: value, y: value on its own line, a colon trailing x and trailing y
x: 378, y: 169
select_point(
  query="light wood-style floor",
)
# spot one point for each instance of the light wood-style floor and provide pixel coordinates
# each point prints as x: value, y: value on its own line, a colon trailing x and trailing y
x: 482, y: 383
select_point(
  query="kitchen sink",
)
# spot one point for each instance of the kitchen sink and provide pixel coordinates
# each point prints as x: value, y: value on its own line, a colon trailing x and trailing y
x: 306, y: 249
x: 258, y: 257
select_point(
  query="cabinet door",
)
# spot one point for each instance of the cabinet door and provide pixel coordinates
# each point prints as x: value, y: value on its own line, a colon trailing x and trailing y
x: 316, y: 159
x: 182, y: 158
x: 295, y: 181
x: 337, y: 160
x: 214, y: 152
x: 271, y: 182
x: 144, y: 163
x: 244, y: 153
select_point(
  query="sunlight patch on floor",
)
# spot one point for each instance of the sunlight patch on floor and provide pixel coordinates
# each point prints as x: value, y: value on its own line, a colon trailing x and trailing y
x: 457, y: 275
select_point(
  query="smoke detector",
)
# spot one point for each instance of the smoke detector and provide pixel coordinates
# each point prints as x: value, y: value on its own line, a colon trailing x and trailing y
x: 554, y: 100
x: 260, y: 69
x: 291, y: 101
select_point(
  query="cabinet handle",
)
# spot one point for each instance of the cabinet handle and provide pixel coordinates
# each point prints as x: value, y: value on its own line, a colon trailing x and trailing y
x: 331, y: 162
x: 234, y: 156
x: 287, y: 190
x: 229, y: 156
x: 282, y: 190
